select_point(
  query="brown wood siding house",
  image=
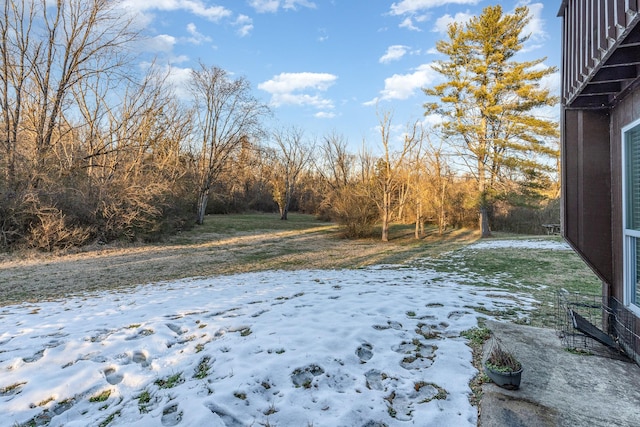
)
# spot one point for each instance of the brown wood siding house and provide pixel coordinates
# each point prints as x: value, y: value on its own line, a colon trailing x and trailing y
x: 600, y: 124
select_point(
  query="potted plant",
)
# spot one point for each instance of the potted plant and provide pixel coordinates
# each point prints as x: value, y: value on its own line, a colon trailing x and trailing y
x: 503, y: 368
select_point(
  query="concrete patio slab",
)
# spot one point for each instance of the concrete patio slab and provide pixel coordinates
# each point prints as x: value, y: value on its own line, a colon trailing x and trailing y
x: 560, y: 388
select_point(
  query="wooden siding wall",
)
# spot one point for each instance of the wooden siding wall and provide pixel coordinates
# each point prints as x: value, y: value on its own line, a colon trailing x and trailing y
x: 626, y: 112
x: 592, y: 30
x: 587, y: 188
x: 623, y: 323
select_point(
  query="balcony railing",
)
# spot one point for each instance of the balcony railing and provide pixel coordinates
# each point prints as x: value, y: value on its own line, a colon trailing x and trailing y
x: 601, y: 50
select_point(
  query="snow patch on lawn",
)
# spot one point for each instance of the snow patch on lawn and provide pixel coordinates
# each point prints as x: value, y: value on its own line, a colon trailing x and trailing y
x: 521, y: 244
x: 367, y: 347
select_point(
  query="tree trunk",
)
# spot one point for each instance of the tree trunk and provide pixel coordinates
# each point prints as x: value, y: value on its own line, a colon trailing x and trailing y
x: 203, y: 198
x: 484, y: 216
x: 386, y: 214
x: 484, y: 222
x: 418, y: 220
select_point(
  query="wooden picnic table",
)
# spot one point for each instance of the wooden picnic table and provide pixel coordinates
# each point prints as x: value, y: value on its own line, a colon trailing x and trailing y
x: 552, y: 228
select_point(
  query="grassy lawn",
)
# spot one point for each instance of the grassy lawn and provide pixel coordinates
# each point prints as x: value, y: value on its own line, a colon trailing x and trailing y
x: 538, y: 272
x: 228, y: 244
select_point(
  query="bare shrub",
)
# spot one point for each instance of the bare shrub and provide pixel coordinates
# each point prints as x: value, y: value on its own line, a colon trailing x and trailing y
x: 50, y: 231
x: 11, y: 226
x: 355, y: 211
x: 130, y: 213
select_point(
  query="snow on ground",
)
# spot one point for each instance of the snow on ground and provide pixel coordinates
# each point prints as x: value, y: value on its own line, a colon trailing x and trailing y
x: 370, y: 347
x: 521, y: 244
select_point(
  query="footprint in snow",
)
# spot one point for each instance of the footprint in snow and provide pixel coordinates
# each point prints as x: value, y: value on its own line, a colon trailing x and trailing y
x: 457, y: 314
x: 37, y: 356
x: 364, y: 352
x: 176, y: 329
x: 259, y: 313
x: 402, y: 406
x: 112, y: 376
x: 170, y: 415
x: 414, y: 362
x: 391, y: 324
x: 339, y: 381
x: 140, y: 357
x: 142, y: 333
x: 227, y: 418
x: 302, y: 377
x: 101, y: 335
x: 374, y: 379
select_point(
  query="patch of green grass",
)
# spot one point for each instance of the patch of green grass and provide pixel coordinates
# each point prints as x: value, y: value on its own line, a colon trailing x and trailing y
x: 109, y: 419
x: 240, y: 395
x: 579, y: 352
x: 144, y: 401
x: 134, y: 326
x: 104, y: 395
x: 538, y: 272
x: 202, y: 370
x: 477, y: 336
x: 252, y: 222
x: 170, y: 381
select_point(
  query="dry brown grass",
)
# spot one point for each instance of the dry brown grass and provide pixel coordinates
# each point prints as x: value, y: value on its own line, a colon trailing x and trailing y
x: 224, y: 245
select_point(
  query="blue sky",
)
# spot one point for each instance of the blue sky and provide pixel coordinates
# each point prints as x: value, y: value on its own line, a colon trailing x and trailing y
x: 326, y: 65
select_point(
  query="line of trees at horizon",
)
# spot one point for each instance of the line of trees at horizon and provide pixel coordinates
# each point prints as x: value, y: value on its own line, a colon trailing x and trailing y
x: 92, y: 151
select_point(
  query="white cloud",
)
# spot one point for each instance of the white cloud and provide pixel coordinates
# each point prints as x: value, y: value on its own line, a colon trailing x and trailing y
x: 161, y: 43
x: 179, y: 78
x: 244, y: 24
x: 300, y: 89
x: 431, y: 120
x: 265, y: 6
x: 442, y: 24
x: 408, y: 24
x: 196, y: 37
x: 403, y: 86
x: 393, y: 53
x: 291, y: 4
x: 324, y: 115
x: 196, y: 7
x: 413, y: 6
x: 272, y: 6
x: 176, y: 77
x: 535, y: 27
x: 551, y: 81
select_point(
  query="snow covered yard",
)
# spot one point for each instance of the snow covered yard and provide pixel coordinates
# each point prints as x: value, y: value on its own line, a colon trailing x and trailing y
x: 370, y: 347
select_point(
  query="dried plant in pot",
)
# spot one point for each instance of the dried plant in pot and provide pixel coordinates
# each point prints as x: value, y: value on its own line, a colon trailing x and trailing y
x: 503, y: 367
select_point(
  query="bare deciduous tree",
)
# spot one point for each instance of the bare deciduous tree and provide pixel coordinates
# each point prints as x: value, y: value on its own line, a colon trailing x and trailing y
x: 226, y: 113
x: 389, y: 167
x: 290, y: 157
x: 58, y: 45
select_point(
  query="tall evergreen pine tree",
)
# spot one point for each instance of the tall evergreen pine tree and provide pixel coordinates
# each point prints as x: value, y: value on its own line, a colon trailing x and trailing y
x: 488, y: 101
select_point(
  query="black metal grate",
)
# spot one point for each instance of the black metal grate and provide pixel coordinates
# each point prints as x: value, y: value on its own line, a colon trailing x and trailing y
x: 590, y: 307
x: 625, y: 327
